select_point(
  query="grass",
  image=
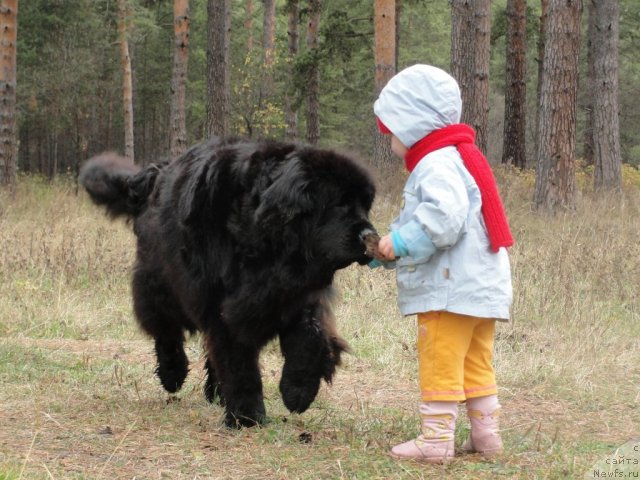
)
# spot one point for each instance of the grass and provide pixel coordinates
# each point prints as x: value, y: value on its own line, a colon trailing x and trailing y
x: 79, y: 399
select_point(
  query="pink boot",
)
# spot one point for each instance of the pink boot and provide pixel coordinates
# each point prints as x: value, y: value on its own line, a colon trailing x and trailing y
x: 435, y: 443
x: 485, y: 436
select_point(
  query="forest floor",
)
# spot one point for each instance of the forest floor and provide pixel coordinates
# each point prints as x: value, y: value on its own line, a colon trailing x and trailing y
x: 79, y: 399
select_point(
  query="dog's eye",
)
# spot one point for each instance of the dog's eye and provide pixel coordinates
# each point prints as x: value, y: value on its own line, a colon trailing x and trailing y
x: 342, y: 207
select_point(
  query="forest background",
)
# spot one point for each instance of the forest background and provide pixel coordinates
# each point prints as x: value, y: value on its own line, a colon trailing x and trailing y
x: 70, y: 88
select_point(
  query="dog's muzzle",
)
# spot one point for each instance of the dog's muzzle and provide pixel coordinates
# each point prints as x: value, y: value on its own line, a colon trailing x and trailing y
x: 370, y: 238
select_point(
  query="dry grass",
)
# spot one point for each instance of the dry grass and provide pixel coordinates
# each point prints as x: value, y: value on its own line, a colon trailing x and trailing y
x: 79, y: 399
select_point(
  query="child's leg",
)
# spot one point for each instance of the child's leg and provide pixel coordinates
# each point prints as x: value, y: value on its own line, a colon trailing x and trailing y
x: 443, y: 340
x: 481, y: 391
x: 479, y: 377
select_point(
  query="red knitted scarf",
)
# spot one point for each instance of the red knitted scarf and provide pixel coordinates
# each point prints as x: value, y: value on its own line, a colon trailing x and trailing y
x: 463, y: 138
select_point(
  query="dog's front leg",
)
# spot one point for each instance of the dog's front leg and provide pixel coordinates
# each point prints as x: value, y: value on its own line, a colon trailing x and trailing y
x: 310, y: 355
x: 238, y: 378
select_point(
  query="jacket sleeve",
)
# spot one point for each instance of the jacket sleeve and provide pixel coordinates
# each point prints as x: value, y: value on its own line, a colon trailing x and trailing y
x: 443, y: 207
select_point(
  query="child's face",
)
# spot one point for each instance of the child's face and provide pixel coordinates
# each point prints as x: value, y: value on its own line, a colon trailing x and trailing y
x: 397, y: 147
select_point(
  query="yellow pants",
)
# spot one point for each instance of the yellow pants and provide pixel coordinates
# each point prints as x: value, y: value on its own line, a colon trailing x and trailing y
x: 455, y: 354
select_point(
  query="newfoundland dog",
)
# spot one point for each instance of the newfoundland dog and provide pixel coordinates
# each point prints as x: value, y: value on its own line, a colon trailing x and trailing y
x: 240, y: 241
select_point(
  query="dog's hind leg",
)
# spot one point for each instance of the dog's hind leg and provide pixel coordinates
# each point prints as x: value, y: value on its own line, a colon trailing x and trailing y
x: 236, y: 378
x: 311, y: 349
x: 212, y: 387
x: 173, y: 364
x: 160, y: 315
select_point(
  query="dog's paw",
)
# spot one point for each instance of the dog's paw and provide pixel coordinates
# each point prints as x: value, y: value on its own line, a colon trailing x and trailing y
x: 245, y: 417
x: 297, y: 396
x: 172, y: 376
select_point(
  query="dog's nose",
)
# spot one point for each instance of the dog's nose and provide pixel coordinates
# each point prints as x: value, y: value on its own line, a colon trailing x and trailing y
x: 370, y: 238
x: 367, y: 233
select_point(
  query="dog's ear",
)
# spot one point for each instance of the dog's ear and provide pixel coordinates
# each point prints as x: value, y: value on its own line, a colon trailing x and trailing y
x: 287, y: 197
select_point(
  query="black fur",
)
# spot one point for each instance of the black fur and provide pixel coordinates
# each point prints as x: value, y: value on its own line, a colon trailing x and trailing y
x: 240, y: 241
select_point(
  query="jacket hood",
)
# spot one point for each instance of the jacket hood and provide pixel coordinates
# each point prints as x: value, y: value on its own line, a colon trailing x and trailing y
x: 417, y: 101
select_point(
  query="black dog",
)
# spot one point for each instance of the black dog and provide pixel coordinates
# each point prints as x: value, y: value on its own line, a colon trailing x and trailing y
x: 241, y: 241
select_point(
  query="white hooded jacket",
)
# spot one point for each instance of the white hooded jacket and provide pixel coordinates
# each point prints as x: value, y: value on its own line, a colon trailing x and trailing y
x: 450, y: 265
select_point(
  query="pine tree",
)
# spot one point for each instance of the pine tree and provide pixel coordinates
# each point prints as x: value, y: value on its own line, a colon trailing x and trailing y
x: 8, y: 140
x: 470, y: 47
x: 605, y: 133
x: 218, y: 94
x: 555, y: 174
x: 178, y: 129
x: 291, y: 113
x: 127, y: 78
x: 313, y: 73
x: 385, y: 67
x: 515, y: 98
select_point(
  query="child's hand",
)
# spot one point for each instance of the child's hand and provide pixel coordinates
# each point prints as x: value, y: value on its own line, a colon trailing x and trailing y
x: 385, y: 248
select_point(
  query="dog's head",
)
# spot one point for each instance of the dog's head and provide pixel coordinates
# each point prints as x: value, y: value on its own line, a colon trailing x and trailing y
x: 323, y: 199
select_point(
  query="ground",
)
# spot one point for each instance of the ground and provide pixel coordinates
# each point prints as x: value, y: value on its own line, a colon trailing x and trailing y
x: 79, y: 398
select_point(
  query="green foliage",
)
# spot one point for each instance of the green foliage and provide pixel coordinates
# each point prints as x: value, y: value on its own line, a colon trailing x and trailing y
x: 69, y: 80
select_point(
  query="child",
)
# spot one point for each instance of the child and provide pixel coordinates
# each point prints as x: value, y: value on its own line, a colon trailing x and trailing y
x: 453, y: 271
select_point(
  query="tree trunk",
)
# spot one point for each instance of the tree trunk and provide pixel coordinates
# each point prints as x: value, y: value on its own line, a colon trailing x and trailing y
x: 555, y: 175
x: 587, y: 153
x: 268, y: 57
x: 127, y: 89
x: 542, y: 34
x: 397, y: 30
x: 470, y: 47
x: 178, y: 128
x: 8, y: 141
x: 269, y: 34
x: 219, y: 32
x: 248, y: 23
x: 606, y: 128
x: 291, y: 113
x: 385, y: 67
x: 515, y: 98
x: 313, y: 81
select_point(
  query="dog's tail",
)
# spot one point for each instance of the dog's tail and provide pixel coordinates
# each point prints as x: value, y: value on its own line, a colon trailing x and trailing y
x: 117, y: 184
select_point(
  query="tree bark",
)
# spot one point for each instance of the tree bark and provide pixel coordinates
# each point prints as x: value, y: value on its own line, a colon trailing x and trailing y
x: 127, y: 89
x: 8, y: 140
x: 291, y: 113
x: 248, y: 23
x: 178, y: 128
x: 313, y: 81
x: 218, y: 94
x: 587, y: 148
x: 269, y: 33
x: 470, y: 48
x: 385, y: 67
x: 542, y: 34
x: 606, y: 126
x: 268, y: 58
x: 515, y: 98
x: 555, y: 175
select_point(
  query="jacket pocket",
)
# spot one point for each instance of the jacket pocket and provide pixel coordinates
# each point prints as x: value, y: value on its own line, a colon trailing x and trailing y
x: 410, y: 274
